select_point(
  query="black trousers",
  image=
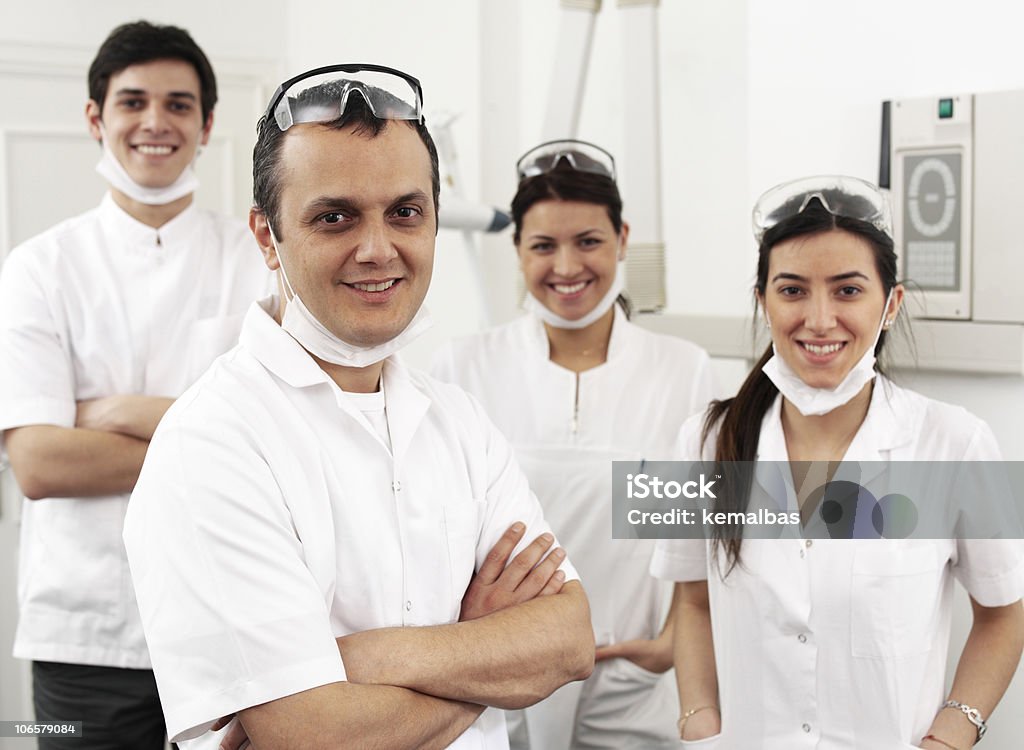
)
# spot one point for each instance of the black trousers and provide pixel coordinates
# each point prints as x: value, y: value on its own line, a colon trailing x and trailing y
x: 119, y: 708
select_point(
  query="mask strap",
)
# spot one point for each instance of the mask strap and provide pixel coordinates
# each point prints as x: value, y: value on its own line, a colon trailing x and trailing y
x: 884, y: 320
x: 280, y: 259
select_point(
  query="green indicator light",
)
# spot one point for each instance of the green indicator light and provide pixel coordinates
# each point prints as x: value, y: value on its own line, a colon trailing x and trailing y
x: 945, y: 108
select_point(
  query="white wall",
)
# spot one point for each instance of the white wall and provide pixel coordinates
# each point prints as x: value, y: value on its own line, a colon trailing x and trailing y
x: 235, y: 30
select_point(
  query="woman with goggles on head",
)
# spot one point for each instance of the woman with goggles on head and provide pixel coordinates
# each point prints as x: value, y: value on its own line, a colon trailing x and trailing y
x: 834, y: 643
x: 574, y: 385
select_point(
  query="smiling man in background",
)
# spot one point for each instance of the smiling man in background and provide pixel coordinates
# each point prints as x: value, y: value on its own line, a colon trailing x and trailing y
x: 104, y: 320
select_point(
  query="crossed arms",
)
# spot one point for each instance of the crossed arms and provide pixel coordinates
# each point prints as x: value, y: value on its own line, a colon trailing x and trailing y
x: 101, y: 455
x: 521, y: 634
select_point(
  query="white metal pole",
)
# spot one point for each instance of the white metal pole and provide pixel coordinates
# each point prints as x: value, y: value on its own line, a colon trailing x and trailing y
x: 569, y: 76
x: 640, y: 182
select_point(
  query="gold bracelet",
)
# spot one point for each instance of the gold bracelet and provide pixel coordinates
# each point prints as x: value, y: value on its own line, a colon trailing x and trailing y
x: 933, y: 738
x: 686, y: 716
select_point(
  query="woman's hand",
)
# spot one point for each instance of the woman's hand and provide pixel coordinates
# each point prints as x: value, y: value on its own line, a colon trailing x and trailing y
x: 653, y: 655
x: 930, y: 744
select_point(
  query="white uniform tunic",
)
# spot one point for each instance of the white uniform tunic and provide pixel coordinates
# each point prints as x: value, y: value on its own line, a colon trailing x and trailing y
x: 272, y: 517
x: 566, y: 431
x: 842, y: 644
x: 101, y: 305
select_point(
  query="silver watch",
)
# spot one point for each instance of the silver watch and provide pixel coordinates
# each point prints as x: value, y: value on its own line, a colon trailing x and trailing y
x: 973, y: 715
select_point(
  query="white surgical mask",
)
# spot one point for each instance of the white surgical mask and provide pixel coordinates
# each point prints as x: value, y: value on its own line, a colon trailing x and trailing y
x: 813, y: 402
x: 111, y: 170
x: 316, y: 339
x: 533, y: 305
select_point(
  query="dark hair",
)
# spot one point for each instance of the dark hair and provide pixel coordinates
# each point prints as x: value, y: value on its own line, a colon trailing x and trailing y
x: 266, y: 155
x: 142, y: 42
x: 565, y: 183
x: 741, y: 415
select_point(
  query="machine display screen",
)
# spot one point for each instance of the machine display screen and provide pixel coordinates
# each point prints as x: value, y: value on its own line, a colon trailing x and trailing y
x: 932, y: 220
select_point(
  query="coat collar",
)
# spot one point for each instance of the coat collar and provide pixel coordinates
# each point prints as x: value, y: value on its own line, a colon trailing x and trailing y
x: 275, y: 349
x: 282, y: 355
x: 537, y: 336
x: 136, y: 235
x: 887, y: 425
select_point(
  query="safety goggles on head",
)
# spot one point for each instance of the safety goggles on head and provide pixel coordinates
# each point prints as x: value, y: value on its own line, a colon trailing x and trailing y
x: 321, y: 94
x: 851, y: 197
x: 580, y: 155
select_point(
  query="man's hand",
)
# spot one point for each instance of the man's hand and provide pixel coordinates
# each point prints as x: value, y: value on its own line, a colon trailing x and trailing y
x: 653, y: 655
x: 497, y: 586
x: 235, y: 738
x: 128, y: 414
x: 98, y: 413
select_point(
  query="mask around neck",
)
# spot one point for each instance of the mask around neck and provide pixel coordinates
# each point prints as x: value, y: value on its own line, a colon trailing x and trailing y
x: 111, y: 170
x: 814, y: 402
x: 534, y: 306
x: 318, y: 340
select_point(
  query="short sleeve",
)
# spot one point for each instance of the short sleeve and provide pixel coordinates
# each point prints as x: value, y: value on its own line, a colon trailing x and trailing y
x: 688, y: 445
x: 232, y: 615
x: 685, y: 559
x: 992, y: 570
x: 36, y: 378
x: 983, y: 445
x: 680, y: 560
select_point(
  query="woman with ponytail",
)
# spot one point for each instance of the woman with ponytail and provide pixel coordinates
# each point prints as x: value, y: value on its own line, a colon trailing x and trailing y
x: 834, y: 644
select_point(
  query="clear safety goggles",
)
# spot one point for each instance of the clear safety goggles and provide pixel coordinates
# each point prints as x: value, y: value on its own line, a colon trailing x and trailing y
x: 840, y: 195
x: 321, y: 94
x: 580, y: 155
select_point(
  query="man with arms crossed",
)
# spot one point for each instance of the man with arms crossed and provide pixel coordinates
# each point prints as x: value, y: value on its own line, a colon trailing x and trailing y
x: 104, y: 319
x: 305, y: 531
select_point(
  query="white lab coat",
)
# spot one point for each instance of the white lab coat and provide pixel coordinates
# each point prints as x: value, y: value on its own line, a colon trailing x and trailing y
x: 566, y: 431
x: 842, y: 644
x: 100, y: 305
x: 271, y: 517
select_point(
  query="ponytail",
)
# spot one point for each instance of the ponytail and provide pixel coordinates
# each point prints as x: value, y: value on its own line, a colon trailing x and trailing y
x: 740, y: 420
